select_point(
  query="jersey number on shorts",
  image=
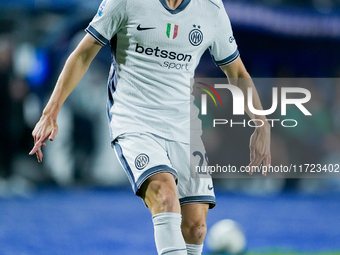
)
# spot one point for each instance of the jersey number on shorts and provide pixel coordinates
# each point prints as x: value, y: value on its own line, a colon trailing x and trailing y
x: 202, y: 158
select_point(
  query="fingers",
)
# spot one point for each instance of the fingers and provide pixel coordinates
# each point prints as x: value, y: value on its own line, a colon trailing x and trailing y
x: 266, y: 163
x: 53, y: 134
x: 256, y: 158
x: 34, y: 150
x: 39, y: 155
x: 35, y: 147
x: 256, y: 162
x: 259, y: 151
x: 267, y: 160
x: 37, y: 150
x: 260, y: 158
x: 38, y: 143
x: 252, y: 159
x: 252, y: 154
x: 45, y: 129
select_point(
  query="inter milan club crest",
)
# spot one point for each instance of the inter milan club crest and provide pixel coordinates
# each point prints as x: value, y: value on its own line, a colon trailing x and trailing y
x: 141, y: 161
x: 171, y: 31
x: 196, y: 36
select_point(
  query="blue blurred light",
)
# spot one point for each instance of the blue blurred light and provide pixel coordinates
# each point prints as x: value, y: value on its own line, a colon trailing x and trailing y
x: 40, y: 69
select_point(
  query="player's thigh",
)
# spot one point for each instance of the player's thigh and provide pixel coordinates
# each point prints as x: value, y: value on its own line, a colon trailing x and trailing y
x: 142, y: 156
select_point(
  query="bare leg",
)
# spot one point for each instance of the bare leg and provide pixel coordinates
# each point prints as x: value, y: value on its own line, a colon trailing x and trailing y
x: 160, y: 195
x: 194, y: 226
x: 159, y: 192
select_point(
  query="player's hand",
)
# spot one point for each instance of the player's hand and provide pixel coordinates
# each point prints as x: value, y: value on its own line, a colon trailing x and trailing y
x: 45, y: 129
x: 260, y: 148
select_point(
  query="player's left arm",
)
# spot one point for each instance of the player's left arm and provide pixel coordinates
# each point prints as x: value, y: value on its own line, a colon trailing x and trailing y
x: 260, y: 139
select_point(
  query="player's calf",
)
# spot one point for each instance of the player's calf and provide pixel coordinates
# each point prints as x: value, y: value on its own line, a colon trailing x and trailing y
x: 194, y: 227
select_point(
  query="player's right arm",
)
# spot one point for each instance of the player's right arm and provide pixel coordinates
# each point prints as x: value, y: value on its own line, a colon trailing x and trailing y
x: 75, y: 68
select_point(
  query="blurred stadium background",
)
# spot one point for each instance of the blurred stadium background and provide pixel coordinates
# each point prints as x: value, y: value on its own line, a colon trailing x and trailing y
x: 78, y: 201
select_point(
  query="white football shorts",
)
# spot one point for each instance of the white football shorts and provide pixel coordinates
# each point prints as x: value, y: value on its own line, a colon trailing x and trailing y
x: 144, y: 154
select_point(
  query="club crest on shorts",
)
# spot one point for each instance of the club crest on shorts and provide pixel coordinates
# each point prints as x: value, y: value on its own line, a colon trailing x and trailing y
x: 141, y: 161
x: 196, y: 36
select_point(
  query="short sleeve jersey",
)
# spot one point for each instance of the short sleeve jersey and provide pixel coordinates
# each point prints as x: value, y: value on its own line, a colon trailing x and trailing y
x: 155, y: 51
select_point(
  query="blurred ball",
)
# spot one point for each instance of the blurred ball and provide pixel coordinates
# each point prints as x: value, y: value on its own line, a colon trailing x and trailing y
x: 226, y: 236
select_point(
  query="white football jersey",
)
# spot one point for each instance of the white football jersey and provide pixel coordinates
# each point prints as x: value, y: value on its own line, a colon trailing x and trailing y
x: 155, y: 51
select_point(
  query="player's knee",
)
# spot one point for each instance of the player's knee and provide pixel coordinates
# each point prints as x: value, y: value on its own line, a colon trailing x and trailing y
x: 165, y: 196
x: 194, y: 230
x: 161, y: 196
